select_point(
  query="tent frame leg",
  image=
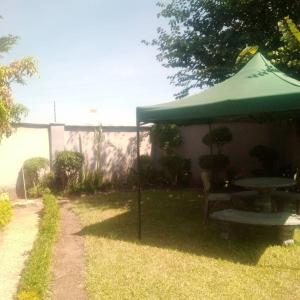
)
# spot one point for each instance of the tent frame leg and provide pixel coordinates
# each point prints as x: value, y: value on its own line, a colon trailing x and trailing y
x: 210, y: 144
x: 139, y: 195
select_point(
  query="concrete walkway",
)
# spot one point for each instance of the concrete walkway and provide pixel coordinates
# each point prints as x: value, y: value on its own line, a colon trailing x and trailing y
x: 15, y: 243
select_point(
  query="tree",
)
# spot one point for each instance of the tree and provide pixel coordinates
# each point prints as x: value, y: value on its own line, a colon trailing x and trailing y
x: 287, y: 56
x: 15, y: 72
x: 204, y: 37
x: 166, y: 136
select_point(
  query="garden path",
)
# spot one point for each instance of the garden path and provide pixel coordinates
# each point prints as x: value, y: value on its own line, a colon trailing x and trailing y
x: 68, y: 260
x: 16, y: 241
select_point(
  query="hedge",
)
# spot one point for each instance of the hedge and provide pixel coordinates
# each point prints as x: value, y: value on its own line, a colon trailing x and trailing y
x: 5, y: 210
x: 36, y: 274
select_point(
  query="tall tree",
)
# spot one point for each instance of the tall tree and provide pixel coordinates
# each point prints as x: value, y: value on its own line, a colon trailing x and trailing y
x: 204, y: 37
x: 287, y: 56
x: 15, y: 72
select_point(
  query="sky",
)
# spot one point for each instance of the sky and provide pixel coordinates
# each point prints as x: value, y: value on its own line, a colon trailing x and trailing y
x: 90, y: 58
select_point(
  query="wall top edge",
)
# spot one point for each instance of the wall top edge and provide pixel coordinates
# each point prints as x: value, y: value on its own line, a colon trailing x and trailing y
x: 82, y: 127
x: 105, y: 128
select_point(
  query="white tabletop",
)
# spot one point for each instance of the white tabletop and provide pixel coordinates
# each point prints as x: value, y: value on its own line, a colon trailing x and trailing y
x: 264, y: 182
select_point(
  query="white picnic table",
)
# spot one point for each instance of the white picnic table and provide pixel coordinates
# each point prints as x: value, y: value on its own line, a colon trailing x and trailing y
x: 265, y: 186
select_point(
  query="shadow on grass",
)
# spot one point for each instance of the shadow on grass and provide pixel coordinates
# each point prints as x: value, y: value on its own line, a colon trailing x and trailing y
x: 173, y: 223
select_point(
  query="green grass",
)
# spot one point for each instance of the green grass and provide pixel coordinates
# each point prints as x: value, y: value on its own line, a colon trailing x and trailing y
x: 5, y: 212
x: 177, y: 258
x: 35, y: 277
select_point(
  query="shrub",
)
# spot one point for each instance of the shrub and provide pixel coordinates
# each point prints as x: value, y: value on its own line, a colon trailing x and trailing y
x: 213, y: 162
x: 35, y: 276
x: 166, y: 136
x: 5, y: 209
x: 218, y: 136
x: 149, y: 175
x: 67, y: 168
x: 92, y: 181
x: 33, y: 168
x: 177, y: 170
x: 28, y: 296
x: 38, y: 191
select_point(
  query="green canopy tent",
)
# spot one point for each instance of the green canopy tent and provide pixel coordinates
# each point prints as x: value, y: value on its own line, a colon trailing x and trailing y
x: 258, y: 89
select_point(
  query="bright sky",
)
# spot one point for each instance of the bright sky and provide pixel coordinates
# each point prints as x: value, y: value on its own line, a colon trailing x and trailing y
x: 90, y: 57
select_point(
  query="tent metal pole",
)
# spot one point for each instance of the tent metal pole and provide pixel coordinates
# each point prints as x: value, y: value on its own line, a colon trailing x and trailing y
x: 139, y: 195
x: 210, y: 144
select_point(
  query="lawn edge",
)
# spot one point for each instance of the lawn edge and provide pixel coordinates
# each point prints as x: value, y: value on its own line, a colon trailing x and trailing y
x: 35, y: 276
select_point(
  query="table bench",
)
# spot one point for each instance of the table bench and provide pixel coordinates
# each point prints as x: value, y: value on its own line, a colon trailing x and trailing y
x: 286, y: 221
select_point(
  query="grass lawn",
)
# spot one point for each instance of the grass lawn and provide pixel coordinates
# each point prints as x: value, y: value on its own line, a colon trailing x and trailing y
x: 177, y: 258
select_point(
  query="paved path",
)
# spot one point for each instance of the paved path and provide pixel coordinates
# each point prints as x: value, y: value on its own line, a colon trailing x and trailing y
x: 15, y: 243
x: 68, y: 261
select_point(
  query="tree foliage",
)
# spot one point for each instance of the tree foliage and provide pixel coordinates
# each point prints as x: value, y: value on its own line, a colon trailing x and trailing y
x: 204, y: 37
x: 15, y: 72
x: 287, y: 56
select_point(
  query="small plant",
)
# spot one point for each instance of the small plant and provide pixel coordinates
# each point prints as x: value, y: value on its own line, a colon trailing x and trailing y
x: 67, y: 168
x: 5, y: 209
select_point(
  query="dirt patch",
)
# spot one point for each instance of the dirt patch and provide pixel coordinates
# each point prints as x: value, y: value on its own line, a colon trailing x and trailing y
x: 68, y: 260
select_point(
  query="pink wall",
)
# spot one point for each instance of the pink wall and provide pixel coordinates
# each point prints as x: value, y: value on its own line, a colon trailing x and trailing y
x: 245, y: 136
x: 118, y: 146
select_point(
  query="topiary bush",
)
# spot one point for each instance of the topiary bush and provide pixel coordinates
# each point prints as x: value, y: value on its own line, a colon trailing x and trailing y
x: 166, y: 136
x: 67, y: 169
x: 33, y: 168
x: 218, y: 137
x: 215, y: 164
x: 34, y: 171
x: 177, y: 170
x: 5, y: 209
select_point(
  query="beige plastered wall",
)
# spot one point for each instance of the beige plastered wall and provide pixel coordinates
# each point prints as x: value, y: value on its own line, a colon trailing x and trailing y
x: 117, y: 148
x: 23, y: 144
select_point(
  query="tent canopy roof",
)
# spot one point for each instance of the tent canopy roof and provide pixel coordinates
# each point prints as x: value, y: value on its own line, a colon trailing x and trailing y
x: 258, y: 88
